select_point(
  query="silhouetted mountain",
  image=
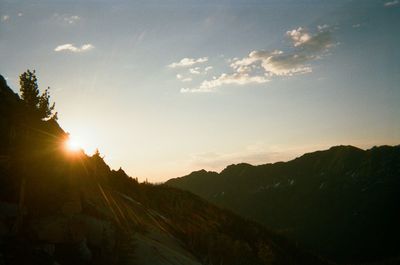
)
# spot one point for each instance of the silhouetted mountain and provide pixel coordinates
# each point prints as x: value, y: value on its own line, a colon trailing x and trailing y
x: 342, y: 203
x: 69, y: 208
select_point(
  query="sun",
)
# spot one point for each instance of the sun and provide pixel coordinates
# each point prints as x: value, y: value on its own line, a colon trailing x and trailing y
x: 73, y: 145
x: 77, y: 143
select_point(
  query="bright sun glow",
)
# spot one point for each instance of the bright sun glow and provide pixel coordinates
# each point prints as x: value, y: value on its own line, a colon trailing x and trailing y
x: 73, y: 145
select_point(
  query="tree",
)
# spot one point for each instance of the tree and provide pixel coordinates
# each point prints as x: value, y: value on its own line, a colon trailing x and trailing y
x: 30, y: 95
x: 44, y: 108
x: 29, y: 88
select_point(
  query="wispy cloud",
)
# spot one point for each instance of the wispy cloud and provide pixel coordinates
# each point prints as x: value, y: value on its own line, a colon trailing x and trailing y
x: 195, y: 71
x: 191, y: 73
x: 183, y: 79
x: 322, y: 27
x: 200, y: 70
x: 208, y: 68
x: 186, y: 62
x: 67, y: 18
x: 72, y: 19
x: 225, y: 79
x: 71, y: 48
x: 391, y: 3
x: 5, y: 18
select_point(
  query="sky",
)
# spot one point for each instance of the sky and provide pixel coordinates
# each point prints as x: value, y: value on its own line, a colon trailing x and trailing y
x: 163, y: 88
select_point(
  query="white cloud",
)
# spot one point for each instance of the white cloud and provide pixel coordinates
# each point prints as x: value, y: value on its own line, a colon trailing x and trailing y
x: 356, y: 25
x: 5, y: 18
x: 70, y: 47
x: 72, y: 19
x: 391, y: 3
x: 241, y: 64
x: 286, y: 64
x: 313, y: 43
x: 320, y: 42
x: 192, y: 71
x: 20, y: 14
x: 198, y: 70
x: 322, y: 27
x: 225, y: 79
x: 273, y: 63
x: 298, y: 36
x: 208, y: 68
x: 195, y: 71
x: 260, y: 65
x: 185, y: 62
x: 188, y: 90
x: 235, y: 78
x: 87, y: 47
x: 278, y: 63
x: 183, y: 79
x: 66, y: 18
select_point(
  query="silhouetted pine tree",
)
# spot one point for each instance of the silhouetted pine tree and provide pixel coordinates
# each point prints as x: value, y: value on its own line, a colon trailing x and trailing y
x: 30, y: 95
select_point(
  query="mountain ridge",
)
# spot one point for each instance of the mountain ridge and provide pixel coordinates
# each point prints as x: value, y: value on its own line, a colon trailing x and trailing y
x: 303, y: 196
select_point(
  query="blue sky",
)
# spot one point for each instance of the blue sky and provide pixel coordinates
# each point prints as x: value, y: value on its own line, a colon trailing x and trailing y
x: 166, y: 87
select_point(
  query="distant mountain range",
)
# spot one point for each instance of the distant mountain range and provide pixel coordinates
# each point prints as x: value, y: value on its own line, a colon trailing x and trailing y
x: 69, y: 208
x: 342, y: 203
